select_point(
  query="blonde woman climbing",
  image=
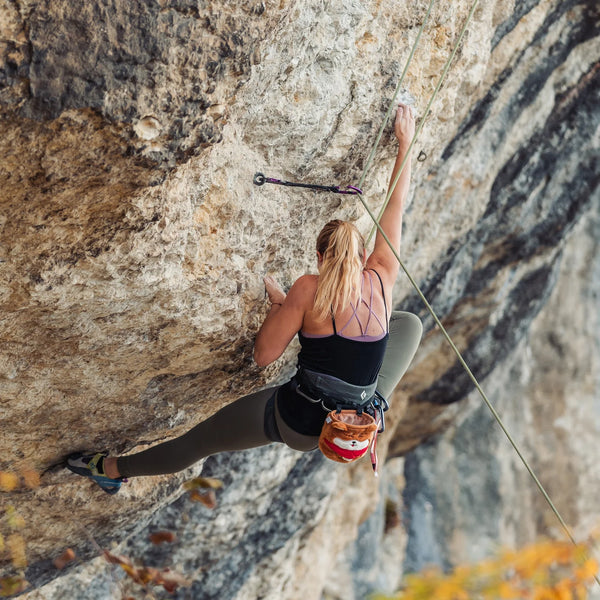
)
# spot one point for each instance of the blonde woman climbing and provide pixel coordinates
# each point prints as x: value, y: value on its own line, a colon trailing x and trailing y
x: 351, y: 347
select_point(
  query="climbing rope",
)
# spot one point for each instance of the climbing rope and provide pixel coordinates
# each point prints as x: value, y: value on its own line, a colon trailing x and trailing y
x: 459, y: 356
x: 473, y: 378
x: 427, y: 109
x: 260, y: 179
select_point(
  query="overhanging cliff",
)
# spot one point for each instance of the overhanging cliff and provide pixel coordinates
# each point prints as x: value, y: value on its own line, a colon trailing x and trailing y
x: 133, y: 245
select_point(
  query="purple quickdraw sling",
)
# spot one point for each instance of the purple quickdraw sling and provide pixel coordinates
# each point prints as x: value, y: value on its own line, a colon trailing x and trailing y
x: 260, y: 179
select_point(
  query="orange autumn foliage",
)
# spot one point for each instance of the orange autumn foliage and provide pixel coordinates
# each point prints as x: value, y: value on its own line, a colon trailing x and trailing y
x: 13, y: 584
x: 202, y: 489
x: 60, y: 562
x: 159, y: 537
x: 8, y: 481
x: 144, y: 576
x: 548, y: 570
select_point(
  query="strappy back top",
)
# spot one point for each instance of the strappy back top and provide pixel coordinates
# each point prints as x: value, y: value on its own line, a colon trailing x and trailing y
x: 356, y: 360
x: 364, y: 337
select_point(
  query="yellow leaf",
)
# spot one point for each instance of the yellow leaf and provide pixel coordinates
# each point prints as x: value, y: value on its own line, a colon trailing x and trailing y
x: 449, y: 589
x: 12, y: 585
x: 580, y: 554
x: 14, y: 519
x: 16, y: 547
x: 8, y: 481
x: 203, y: 482
x: 544, y: 593
x: 564, y: 553
x: 563, y: 590
x: 506, y: 591
x: 147, y: 575
x: 587, y: 571
x: 131, y: 571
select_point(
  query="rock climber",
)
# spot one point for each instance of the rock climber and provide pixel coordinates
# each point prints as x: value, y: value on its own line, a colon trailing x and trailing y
x: 349, y: 341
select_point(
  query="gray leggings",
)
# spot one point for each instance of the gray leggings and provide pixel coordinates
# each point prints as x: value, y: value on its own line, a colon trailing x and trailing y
x: 244, y: 423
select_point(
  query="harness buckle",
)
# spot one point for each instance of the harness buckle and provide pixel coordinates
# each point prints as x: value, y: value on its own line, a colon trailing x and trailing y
x: 304, y: 394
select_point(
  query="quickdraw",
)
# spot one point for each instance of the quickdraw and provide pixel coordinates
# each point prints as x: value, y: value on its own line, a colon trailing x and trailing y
x: 260, y: 179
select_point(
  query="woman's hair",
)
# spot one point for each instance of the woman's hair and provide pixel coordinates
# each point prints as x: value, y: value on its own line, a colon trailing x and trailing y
x: 341, y: 247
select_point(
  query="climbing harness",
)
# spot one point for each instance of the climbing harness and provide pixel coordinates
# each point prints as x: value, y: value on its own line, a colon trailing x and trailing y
x: 355, y: 415
x: 260, y: 179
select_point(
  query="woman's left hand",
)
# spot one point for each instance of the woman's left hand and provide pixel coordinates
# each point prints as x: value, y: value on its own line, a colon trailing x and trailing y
x: 274, y: 291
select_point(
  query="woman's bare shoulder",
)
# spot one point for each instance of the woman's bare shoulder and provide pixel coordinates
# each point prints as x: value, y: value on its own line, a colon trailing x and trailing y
x: 305, y: 286
x: 308, y: 280
x: 302, y: 293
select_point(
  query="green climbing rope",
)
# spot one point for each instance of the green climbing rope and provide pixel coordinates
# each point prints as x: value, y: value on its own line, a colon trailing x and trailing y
x: 459, y: 356
x: 427, y: 109
x: 393, y: 102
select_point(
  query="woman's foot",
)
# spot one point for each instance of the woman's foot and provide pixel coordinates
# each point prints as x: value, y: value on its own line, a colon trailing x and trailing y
x: 92, y: 466
x: 111, y: 469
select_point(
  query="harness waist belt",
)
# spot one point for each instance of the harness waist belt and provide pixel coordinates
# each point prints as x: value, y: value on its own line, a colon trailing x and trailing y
x: 319, y: 387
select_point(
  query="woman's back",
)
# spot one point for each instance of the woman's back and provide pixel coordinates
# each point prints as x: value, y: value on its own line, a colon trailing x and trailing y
x: 349, y: 345
x: 364, y: 321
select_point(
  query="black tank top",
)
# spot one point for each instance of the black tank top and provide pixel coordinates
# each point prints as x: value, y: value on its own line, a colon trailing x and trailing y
x: 354, y: 360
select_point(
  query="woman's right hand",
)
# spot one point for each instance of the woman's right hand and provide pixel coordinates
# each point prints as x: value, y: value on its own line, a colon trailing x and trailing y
x: 404, y: 125
x: 274, y: 291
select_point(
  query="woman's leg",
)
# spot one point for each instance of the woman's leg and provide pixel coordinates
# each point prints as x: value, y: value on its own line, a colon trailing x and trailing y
x: 406, y: 330
x: 293, y: 439
x: 248, y: 422
x: 238, y: 426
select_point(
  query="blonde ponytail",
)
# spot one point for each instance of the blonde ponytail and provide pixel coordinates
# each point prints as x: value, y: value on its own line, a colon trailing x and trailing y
x: 341, y: 247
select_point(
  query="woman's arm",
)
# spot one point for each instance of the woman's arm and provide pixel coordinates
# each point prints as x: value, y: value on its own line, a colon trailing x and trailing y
x: 284, y: 319
x: 382, y: 258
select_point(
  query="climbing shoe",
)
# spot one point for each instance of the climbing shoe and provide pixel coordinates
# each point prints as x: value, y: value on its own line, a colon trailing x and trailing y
x: 92, y: 466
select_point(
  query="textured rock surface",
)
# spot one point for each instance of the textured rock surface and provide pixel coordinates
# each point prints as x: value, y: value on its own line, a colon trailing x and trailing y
x: 466, y: 490
x: 133, y: 244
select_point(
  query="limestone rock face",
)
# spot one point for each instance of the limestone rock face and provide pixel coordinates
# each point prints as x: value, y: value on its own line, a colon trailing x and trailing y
x: 133, y: 245
x: 465, y: 489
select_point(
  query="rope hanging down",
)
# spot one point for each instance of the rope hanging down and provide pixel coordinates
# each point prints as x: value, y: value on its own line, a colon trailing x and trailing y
x: 377, y: 227
x: 260, y: 179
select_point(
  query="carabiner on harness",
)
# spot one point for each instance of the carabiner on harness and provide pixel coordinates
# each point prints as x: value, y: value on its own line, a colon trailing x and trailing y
x: 321, y: 401
x: 380, y: 405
